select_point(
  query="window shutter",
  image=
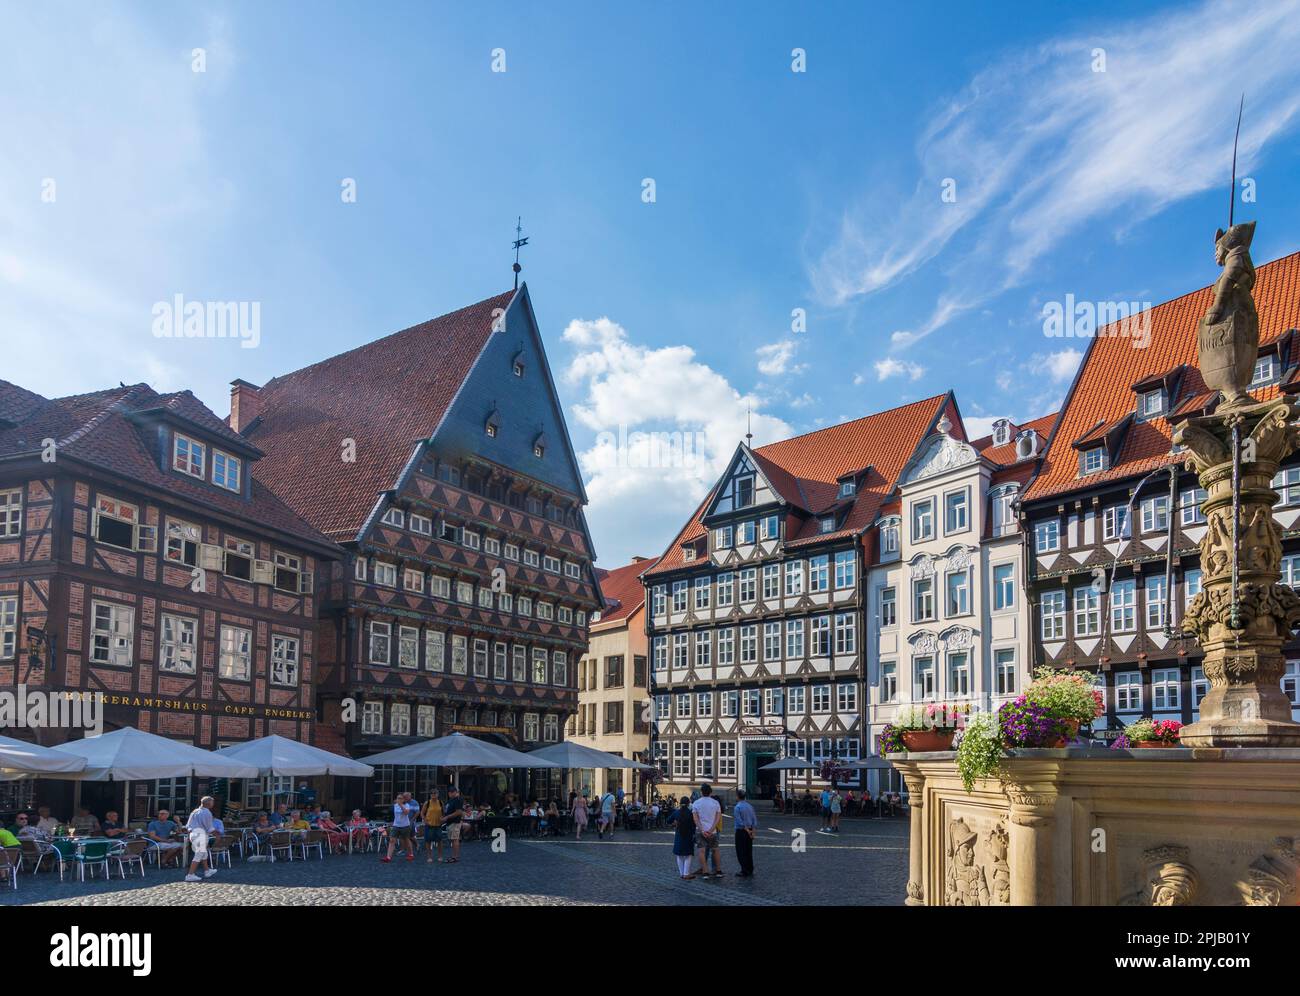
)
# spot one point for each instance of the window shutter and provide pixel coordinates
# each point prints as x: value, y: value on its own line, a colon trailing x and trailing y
x: 263, y: 572
x: 306, y: 583
x: 146, y: 539
x: 211, y: 557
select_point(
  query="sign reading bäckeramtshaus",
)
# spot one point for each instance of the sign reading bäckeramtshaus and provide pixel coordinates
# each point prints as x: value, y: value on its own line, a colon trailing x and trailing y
x: 156, y: 703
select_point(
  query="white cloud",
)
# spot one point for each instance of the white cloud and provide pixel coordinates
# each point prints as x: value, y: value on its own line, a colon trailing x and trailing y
x: 776, y: 358
x: 891, y: 367
x: 1042, y: 147
x: 1059, y: 366
x: 665, y: 426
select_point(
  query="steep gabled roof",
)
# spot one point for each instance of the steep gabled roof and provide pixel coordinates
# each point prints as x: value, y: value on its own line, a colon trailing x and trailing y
x: 102, y: 429
x: 623, y: 591
x: 1102, y: 393
x: 806, y: 469
x: 386, y: 396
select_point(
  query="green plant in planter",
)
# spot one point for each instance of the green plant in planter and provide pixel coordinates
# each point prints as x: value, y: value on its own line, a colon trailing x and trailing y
x: 1066, y: 694
x: 979, y: 748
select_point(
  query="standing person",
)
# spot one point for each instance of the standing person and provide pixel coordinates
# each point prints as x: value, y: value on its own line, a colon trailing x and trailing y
x: 201, y: 828
x: 837, y: 807
x: 451, y: 817
x: 606, y: 815
x: 400, y: 830
x: 708, y: 817
x: 826, y: 808
x: 434, y: 831
x: 684, y: 839
x: 746, y: 826
x: 579, y: 816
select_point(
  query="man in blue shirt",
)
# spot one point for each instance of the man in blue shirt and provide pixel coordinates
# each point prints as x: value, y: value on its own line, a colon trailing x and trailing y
x: 826, y: 809
x: 746, y: 826
x: 160, y: 832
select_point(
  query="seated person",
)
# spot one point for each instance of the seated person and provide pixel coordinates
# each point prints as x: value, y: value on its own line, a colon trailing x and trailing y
x: 263, y: 825
x: 313, y: 815
x: 218, y: 827
x: 8, y: 840
x: 45, y: 821
x: 296, y: 822
x: 360, y: 828
x: 160, y: 831
x: 85, y: 823
x: 280, y: 816
x: 111, y: 825
x: 27, y: 828
x: 19, y: 824
x: 334, y: 834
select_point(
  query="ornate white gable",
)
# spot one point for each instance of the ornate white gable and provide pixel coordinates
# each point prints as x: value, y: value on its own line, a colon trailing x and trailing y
x: 940, y: 453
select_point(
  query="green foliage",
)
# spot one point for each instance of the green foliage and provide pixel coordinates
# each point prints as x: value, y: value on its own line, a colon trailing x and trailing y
x: 1066, y: 694
x: 979, y: 751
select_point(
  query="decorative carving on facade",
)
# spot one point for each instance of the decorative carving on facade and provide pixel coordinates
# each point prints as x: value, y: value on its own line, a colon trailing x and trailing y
x: 998, y: 843
x: 915, y: 892
x: 1213, y: 607
x: 924, y: 643
x: 922, y: 566
x: 1170, y: 878
x: 958, y: 638
x: 1271, y: 878
x: 942, y: 455
x: 959, y: 558
x: 1228, y: 338
x: 965, y: 883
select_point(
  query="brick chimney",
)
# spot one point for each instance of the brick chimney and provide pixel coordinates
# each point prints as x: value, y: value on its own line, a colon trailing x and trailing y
x: 245, y: 404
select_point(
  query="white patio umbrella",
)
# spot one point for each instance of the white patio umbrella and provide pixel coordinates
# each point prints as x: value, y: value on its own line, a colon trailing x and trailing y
x: 457, y: 751
x: 19, y: 759
x: 790, y: 763
x: 276, y: 755
x: 570, y: 755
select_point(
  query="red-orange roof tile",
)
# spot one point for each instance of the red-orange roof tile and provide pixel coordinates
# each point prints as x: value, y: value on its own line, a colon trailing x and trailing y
x: 623, y: 591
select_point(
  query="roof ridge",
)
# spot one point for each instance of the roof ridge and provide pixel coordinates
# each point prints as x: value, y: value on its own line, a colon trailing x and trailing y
x: 852, y: 421
x: 95, y: 421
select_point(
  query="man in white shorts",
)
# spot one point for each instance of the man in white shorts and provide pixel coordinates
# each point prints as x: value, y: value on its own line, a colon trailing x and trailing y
x: 201, y: 828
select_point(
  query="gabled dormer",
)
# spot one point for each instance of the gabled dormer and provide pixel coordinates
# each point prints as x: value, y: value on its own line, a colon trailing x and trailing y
x: 743, y: 487
x: 195, y: 446
x: 1098, y: 447
x: 1155, y: 395
x: 1002, y: 430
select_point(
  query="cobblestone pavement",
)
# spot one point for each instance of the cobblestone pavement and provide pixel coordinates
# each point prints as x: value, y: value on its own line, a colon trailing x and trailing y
x: 866, y: 864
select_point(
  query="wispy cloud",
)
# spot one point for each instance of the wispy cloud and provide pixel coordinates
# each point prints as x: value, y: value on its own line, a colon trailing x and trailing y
x: 777, y: 358
x: 1041, y: 146
x: 891, y: 367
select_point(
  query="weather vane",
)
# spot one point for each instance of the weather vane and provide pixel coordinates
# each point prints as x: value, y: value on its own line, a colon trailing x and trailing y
x: 1232, y: 194
x: 520, y: 242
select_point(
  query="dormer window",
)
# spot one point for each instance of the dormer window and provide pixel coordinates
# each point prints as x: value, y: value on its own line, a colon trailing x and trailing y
x: 492, y: 424
x: 1092, y: 460
x: 1026, y: 444
x: 395, y: 517
x: 226, y: 470
x: 744, y: 492
x: 517, y: 364
x: 539, y: 446
x: 1001, y: 432
x: 847, y: 489
x: 1265, y: 370
x: 188, y: 456
x: 1151, y: 403
x: 828, y: 524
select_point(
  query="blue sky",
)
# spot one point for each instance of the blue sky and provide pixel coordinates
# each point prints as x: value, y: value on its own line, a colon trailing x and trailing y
x: 774, y: 191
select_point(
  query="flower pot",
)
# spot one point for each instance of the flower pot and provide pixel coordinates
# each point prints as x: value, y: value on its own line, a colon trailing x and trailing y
x: 917, y: 741
x: 1071, y: 728
x: 1154, y: 743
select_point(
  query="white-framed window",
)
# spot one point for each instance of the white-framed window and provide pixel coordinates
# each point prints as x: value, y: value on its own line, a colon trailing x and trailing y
x: 459, y: 654
x: 681, y: 759
x: 470, y: 539
x: 539, y: 665
x: 439, y: 586
x: 236, y: 653
x: 748, y: 644
x: 723, y: 538
x: 284, y: 660
x: 702, y: 592
x: 922, y: 599
x: 395, y: 517
x: 771, y: 641
x: 500, y: 662
x: 773, y: 702
x: 888, y: 681
x: 8, y: 627
x: 112, y: 635
x: 525, y: 605
x: 956, y: 511
x: 682, y: 700
x: 769, y: 527
x: 551, y: 564
x: 746, y: 532
x: 1287, y: 485
x: 1092, y: 460
x: 704, y: 759
x: 794, y: 634
x: 227, y: 471
x: 1200, y: 687
x: 924, y: 680
x: 412, y: 580
x: 659, y: 653
x: 1114, y: 523
x: 177, y: 644
x: 188, y: 456
x: 1191, y: 586
x: 239, y: 556
x: 464, y: 592
x: 888, y: 607
x: 751, y: 702
x: 550, y: 725
x: 819, y: 636
x: 1047, y: 536
x: 704, y: 705
x: 1155, y: 514
x: 532, y: 558
x: 819, y: 573
x: 1004, y: 587
x: 1266, y: 370
x: 726, y: 590
x: 681, y: 650
x: 572, y: 570
x: 372, y: 719
x: 408, y: 647
x: 795, y: 700
x: 1087, y: 612
x: 958, y: 593
x: 426, y: 722
x: 1004, y: 671
x: 889, y: 536
x: 182, y: 543
x: 1128, y: 692
x: 359, y: 569
x: 1151, y: 403
x: 959, y: 674
x: 518, y: 664
x: 423, y: 525
x: 727, y: 759
x: 1154, y: 596
x: 532, y: 727
x: 435, y: 650
x: 703, y: 649
x: 1052, y: 615
x: 1002, y: 503
x: 847, y: 489
x: 116, y: 522
x: 1123, y: 602
x: 679, y: 596
x: 1291, y: 682
x: 1189, y: 506
x: 845, y: 569
x: 748, y: 584
x: 793, y: 578
x: 771, y: 582
x: 846, y: 697
x: 559, y: 668
x: 663, y: 707
x: 512, y: 551
x: 480, y: 658
x: 385, y: 574
x: 726, y: 647
x: 485, y: 598
x: 381, y: 642
x: 922, y: 520
x: 11, y: 512
x: 821, y: 699
x: 846, y: 633
x: 1165, y: 689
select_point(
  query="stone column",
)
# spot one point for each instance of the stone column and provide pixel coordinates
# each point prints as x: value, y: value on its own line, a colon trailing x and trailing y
x: 1031, y: 854
x: 1242, y: 637
x: 915, y: 782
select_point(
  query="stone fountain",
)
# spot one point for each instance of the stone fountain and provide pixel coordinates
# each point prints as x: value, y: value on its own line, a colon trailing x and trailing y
x: 1215, y: 821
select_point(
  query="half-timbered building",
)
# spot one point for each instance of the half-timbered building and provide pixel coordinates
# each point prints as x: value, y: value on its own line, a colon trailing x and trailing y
x: 756, y: 617
x: 143, y: 565
x: 1114, y: 519
x: 439, y: 458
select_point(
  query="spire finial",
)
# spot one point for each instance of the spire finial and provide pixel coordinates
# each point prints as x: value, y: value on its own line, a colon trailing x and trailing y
x: 1232, y: 194
x: 520, y: 241
x: 749, y: 427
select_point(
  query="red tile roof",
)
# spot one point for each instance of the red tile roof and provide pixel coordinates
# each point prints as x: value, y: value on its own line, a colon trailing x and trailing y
x: 1004, y: 455
x: 387, y: 396
x: 1102, y: 392
x: 101, y: 429
x: 623, y: 591
x: 805, y: 470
